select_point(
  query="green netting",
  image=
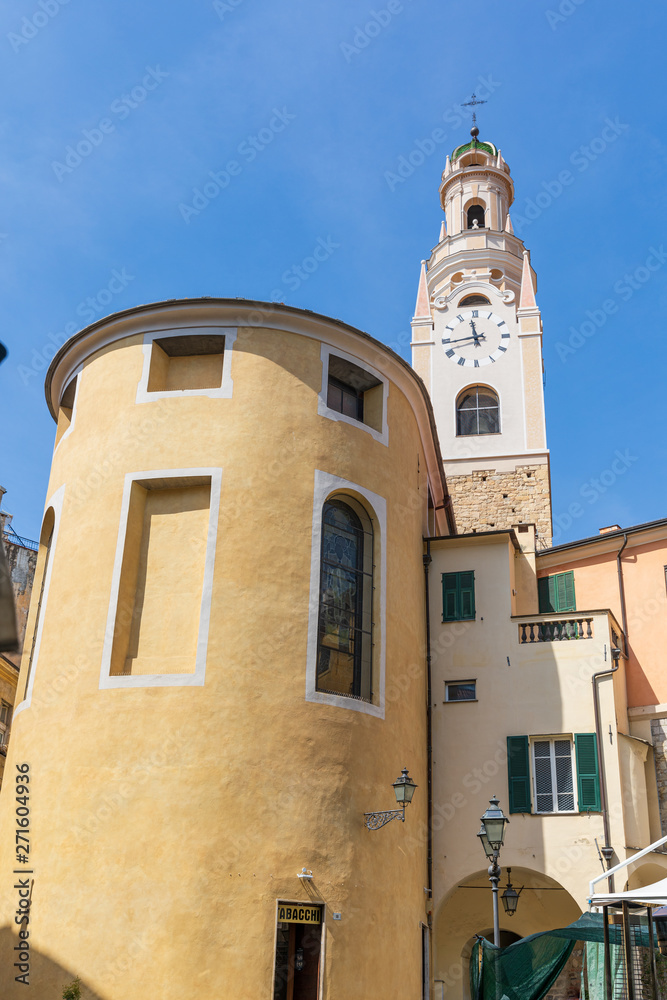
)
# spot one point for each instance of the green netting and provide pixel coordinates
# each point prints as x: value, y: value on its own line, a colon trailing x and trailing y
x: 527, y: 969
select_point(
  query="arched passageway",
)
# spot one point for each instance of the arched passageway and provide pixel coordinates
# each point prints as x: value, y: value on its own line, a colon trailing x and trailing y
x: 467, y: 911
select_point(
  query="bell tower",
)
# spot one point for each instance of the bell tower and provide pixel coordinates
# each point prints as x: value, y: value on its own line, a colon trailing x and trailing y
x: 477, y: 344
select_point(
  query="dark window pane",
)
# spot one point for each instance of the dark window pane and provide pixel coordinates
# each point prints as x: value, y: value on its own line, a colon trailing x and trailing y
x: 477, y: 412
x: 462, y: 692
x: 467, y: 422
x: 488, y: 421
x: 345, y: 399
x: 350, y: 405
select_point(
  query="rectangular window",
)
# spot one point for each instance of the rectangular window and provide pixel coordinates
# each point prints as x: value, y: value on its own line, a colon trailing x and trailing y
x: 556, y: 593
x: 354, y: 392
x: 458, y: 596
x: 66, y: 410
x: 545, y: 766
x: 460, y: 690
x: 186, y: 363
x: 160, y: 602
x: 553, y: 776
x: 157, y: 625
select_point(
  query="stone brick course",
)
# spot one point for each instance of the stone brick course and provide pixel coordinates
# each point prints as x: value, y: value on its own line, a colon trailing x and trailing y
x: 486, y: 500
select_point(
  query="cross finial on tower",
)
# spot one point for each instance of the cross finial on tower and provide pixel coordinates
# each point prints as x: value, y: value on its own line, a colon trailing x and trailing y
x: 474, y: 131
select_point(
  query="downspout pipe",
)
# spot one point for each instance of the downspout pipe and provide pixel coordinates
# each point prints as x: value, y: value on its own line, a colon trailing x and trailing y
x: 429, y: 730
x: 607, y: 850
x: 621, y: 592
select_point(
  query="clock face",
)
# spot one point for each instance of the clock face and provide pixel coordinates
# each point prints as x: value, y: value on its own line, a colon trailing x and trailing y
x: 475, y: 338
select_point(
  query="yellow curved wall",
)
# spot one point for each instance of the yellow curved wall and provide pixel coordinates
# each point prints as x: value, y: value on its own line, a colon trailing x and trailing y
x: 166, y: 822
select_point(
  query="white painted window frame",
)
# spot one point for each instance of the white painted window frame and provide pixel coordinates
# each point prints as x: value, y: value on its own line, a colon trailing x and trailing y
x: 325, y: 411
x: 55, y: 502
x: 326, y: 485
x: 224, y: 391
x: 196, y: 679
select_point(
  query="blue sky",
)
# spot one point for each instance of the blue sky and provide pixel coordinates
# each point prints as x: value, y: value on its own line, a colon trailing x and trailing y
x: 164, y: 94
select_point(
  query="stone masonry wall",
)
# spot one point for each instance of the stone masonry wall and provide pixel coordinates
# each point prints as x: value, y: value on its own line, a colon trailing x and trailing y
x: 488, y: 500
x: 659, y: 735
x: 22, y: 563
x: 568, y: 984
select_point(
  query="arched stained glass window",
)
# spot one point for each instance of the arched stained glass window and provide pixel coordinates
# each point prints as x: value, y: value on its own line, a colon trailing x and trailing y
x: 344, y: 652
x: 477, y: 411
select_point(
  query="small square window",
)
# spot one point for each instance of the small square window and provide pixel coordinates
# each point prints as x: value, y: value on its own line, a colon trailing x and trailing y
x: 460, y: 690
x: 186, y: 363
x: 355, y: 392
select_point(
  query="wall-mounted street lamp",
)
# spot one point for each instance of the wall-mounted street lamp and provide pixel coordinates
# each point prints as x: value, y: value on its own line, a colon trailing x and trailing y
x: 404, y: 789
x: 510, y: 897
x: 492, y: 836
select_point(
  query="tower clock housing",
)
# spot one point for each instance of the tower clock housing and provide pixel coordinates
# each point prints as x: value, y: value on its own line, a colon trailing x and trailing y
x: 477, y: 344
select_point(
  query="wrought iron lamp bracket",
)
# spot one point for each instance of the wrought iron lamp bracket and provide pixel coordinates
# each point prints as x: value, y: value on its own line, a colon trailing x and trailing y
x: 376, y: 820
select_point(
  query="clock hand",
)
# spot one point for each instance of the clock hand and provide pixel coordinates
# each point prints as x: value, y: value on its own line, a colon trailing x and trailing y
x: 474, y: 333
x: 479, y: 336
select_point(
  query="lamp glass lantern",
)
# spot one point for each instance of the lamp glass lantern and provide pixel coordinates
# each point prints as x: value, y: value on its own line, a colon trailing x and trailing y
x: 404, y: 788
x: 488, y: 850
x: 493, y: 823
x: 510, y: 897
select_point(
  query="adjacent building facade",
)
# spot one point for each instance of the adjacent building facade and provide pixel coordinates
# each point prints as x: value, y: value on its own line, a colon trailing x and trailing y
x: 277, y: 565
x: 20, y: 558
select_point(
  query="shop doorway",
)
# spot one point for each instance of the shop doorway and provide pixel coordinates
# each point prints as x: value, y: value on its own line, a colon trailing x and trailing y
x: 298, y: 948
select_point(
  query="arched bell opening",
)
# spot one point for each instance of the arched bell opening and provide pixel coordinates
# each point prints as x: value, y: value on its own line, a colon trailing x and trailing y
x: 475, y: 217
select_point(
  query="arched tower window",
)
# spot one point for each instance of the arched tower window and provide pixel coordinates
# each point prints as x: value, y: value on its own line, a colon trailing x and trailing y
x: 476, y: 217
x: 344, y: 644
x: 477, y: 411
x: 475, y: 300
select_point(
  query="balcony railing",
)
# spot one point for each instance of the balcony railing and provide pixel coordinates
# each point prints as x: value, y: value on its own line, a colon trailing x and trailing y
x: 561, y: 630
x: 27, y: 543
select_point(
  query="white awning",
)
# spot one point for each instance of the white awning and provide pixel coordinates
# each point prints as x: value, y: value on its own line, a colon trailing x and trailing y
x: 648, y: 895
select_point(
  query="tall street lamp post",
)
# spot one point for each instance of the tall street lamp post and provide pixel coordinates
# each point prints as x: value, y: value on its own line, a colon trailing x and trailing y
x: 492, y: 836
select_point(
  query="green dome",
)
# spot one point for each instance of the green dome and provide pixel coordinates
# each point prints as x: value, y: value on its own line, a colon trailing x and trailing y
x: 487, y: 147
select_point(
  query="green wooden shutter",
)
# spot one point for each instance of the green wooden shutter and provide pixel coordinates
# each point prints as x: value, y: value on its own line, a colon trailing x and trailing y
x: 546, y: 594
x: 518, y: 773
x: 568, y: 603
x: 565, y: 591
x: 449, y: 595
x: 556, y: 593
x: 588, y: 778
x: 467, y: 595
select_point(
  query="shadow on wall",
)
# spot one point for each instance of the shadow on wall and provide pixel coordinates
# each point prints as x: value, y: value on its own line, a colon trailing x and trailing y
x: 47, y: 976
